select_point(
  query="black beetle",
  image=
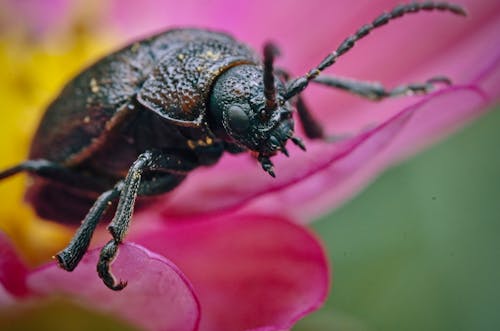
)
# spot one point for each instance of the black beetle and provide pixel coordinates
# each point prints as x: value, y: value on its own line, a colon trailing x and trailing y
x: 139, y: 120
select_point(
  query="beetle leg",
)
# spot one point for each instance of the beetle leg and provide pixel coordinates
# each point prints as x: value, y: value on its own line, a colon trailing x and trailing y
x: 108, y: 254
x: 59, y: 173
x: 150, y: 160
x: 121, y: 221
x: 376, y: 91
x: 69, y: 257
x: 371, y: 90
x: 312, y: 128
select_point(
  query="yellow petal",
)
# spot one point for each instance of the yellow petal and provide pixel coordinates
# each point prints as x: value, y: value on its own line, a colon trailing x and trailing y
x: 32, y: 74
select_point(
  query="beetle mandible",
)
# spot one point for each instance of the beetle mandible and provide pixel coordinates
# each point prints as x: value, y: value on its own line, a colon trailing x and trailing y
x: 139, y: 120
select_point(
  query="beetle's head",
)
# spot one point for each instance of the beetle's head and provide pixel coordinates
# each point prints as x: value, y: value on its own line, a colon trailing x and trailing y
x: 241, y: 114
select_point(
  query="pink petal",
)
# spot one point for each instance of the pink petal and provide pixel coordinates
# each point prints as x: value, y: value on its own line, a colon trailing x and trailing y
x: 312, y: 182
x: 251, y: 272
x: 6, y: 298
x: 410, y: 49
x: 12, y: 272
x: 37, y: 16
x: 338, y: 173
x: 158, y: 296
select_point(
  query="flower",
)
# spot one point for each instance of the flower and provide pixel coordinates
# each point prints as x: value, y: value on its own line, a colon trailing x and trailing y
x: 219, y: 256
x: 236, y: 273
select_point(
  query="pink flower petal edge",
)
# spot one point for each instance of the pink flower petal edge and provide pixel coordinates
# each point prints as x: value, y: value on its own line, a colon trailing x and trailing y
x: 250, y: 272
x: 158, y: 296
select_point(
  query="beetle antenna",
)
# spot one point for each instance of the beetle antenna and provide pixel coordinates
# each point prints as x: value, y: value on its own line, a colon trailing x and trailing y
x: 300, y: 83
x: 270, y: 52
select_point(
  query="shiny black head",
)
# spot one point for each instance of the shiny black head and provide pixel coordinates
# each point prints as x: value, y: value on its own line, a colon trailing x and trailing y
x: 240, y: 113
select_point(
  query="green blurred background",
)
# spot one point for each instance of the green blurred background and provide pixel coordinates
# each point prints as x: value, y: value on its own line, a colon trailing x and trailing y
x: 419, y: 249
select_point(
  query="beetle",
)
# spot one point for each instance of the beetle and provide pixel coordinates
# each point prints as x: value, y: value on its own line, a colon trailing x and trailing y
x: 137, y: 121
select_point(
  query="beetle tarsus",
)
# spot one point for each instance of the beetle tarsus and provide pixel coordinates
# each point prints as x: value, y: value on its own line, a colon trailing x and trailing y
x: 69, y: 257
x: 418, y: 88
x: 440, y: 79
x: 108, y: 254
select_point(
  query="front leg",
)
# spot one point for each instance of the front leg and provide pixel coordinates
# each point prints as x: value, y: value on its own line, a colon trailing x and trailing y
x: 157, y: 161
x: 121, y: 221
x: 311, y: 126
x: 70, y: 256
x: 373, y: 91
x: 127, y: 190
x: 376, y: 91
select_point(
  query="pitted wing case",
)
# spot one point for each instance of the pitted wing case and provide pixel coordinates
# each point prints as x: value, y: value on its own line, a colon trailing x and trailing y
x: 179, y: 86
x: 169, y: 73
x: 91, y: 104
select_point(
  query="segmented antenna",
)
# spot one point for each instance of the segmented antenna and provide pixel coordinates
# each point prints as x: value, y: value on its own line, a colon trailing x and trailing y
x: 270, y: 52
x: 300, y: 83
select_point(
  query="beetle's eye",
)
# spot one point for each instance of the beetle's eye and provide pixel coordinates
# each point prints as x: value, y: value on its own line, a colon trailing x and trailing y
x: 238, y: 119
